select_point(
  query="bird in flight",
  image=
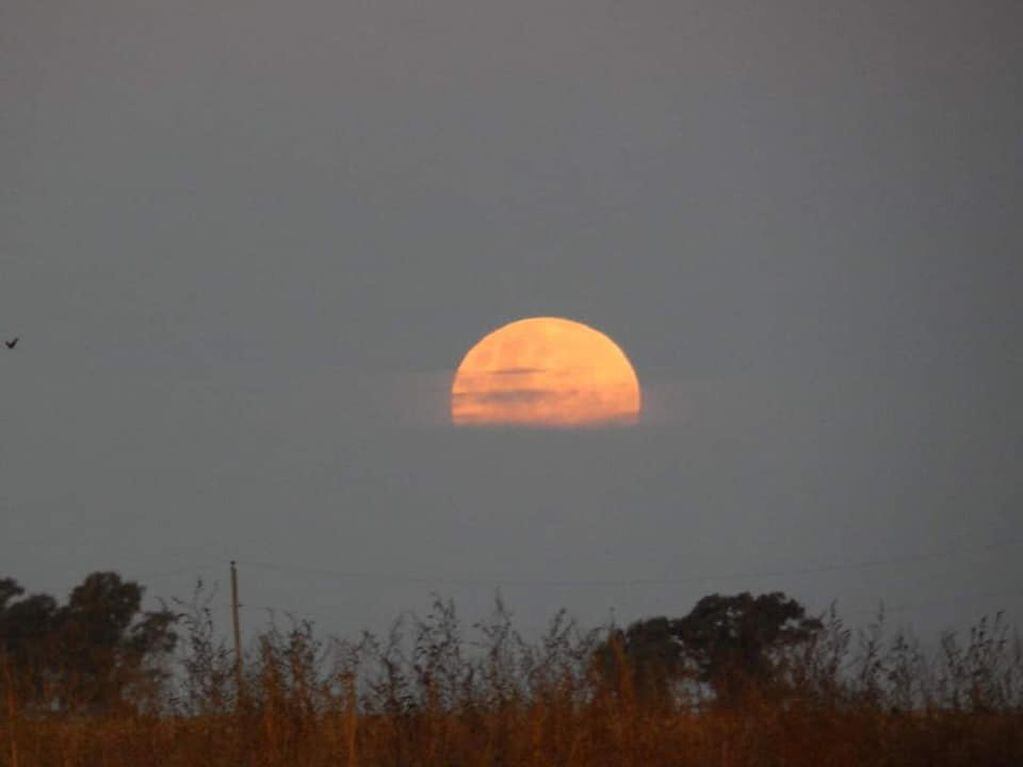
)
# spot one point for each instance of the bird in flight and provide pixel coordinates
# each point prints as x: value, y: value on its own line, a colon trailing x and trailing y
x: 11, y: 344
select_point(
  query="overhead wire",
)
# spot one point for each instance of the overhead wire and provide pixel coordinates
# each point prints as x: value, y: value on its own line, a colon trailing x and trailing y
x: 497, y: 581
x: 492, y: 580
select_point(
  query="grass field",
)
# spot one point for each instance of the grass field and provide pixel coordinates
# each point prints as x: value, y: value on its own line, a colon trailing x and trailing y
x: 436, y: 693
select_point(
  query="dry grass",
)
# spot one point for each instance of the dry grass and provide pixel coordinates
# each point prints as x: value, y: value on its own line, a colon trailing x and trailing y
x: 605, y: 732
x: 427, y: 696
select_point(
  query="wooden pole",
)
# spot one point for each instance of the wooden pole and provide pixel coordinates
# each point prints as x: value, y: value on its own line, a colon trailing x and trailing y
x: 239, y: 677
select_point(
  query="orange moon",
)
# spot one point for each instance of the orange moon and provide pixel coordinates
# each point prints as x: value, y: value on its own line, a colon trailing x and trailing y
x: 545, y: 371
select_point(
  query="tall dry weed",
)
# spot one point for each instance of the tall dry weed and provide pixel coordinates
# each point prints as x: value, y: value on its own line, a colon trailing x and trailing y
x: 435, y: 692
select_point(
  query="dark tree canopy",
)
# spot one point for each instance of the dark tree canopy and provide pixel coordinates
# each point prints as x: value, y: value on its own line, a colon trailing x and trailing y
x: 731, y: 643
x: 652, y: 653
x: 90, y: 652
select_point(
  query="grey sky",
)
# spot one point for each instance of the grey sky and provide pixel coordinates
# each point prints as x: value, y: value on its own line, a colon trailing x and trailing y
x: 246, y: 244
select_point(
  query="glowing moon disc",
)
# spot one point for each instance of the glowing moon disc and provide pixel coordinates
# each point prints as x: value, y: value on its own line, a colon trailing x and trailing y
x: 545, y: 371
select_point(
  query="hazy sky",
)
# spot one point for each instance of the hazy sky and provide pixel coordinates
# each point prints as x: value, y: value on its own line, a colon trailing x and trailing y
x: 245, y: 245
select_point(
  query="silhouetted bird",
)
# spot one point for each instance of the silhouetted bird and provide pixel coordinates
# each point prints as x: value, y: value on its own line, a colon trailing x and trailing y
x: 11, y: 344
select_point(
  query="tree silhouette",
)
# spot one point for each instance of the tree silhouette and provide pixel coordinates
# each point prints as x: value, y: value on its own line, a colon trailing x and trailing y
x: 734, y: 641
x: 730, y: 643
x: 651, y: 653
x: 27, y: 636
x: 90, y: 653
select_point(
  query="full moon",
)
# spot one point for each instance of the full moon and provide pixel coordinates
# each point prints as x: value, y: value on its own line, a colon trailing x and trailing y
x: 545, y: 371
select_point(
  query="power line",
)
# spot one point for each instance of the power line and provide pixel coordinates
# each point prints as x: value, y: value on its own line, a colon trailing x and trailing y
x: 189, y: 570
x: 311, y: 611
x: 498, y: 581
x: 914, y: 605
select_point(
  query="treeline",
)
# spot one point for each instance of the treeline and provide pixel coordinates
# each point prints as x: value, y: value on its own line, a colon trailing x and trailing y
x: 739, y: 679
x: 97, y: 650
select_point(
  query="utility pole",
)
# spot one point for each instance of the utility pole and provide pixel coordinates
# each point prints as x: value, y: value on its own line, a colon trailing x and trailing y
x: 239, y: 678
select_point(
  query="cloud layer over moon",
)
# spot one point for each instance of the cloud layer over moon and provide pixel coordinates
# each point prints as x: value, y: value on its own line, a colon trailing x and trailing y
x: 545, y: 371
